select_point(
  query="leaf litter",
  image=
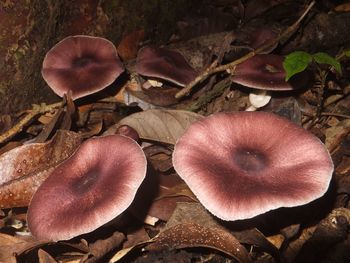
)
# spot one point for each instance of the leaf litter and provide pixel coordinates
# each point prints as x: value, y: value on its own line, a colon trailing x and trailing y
x: 182, y: 227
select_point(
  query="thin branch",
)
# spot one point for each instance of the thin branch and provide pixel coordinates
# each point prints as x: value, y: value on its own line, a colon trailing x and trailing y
x: 209, y: 71
x: 36, y: 110
x: 332, y: 114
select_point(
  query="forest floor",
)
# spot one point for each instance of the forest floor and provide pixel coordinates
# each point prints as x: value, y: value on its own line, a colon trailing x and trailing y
x: 166, y: 222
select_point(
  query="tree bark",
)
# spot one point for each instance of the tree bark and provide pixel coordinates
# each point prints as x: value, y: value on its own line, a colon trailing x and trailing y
x: 29, y: 28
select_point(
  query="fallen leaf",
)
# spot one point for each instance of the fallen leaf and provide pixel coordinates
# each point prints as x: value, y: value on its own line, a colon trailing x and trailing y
x: 45, y: 257
x: 164, y: 208
x: 276, y: 240
x: 164, y: 126
x: 103, y: 246
x: 157, y: 96
x: 24, y: 168
x: 189, y: 235
x: 135, y: 237
x: 255, y: 238
x: 11, y: 246
x: 295, y: 245
x: 131, y: 100
x: 343, y: 7
x: 122, y: 253
x: 187, y: 212
x: 329, y: 231
x: 335, y: 134
x: 195, y: 212
x: 129, y: 45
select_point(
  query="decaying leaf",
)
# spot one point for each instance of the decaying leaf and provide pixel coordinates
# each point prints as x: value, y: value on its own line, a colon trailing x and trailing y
x: 157, y: 96
x: 164, y: 208
x: 45, y: 257
x: 159, y: 125
x: 193, y: 235
x: 11, y: 246
x: 335, y: 134
x: 195, y: 212
x: 186, y: 212
x: 129, y: 45
x: 136, y: 236
x: 255, y: 238
x: 24, y: 168
x: 101, y: 247
x: 329, y: 231
x: 122, y: 253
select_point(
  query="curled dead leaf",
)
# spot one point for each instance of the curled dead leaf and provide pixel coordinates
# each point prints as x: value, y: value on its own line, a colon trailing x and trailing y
x: 24, y: 168
x: 160, y: 125
x: 11, y: 246
x: 193, y: 235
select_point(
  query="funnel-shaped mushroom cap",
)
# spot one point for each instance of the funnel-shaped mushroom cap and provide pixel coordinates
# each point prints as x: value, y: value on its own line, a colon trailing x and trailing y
x: 164, y: 64
x: 243, y: 164
x: 96, y: 184
x: 264, y: 71
x: 82, y: 64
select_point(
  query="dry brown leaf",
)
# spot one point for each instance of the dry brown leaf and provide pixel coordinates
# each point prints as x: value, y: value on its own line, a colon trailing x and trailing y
x: 295, y: 246
x: 335, y: 134
x: 135, y: 237
x: 103, y: 246
x: 329, y: 231
x: 195, y: 212
x: 178, y: 190
x: 255, y: 238
x: 45, y: 257
x: 128, y: 46
x: 122, y: 253
x: 164, y: 208
x: 343, y: 7
x: 276, y: 240
x: 159, y: 125
x: 187, y: 212
x: 11, y: 246
x: 344, y: 167
x: 24, y: 168
x: 157, y: 96
x: 193, y: 235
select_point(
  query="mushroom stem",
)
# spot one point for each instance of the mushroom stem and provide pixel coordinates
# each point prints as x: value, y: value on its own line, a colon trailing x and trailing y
x: 258, y: 99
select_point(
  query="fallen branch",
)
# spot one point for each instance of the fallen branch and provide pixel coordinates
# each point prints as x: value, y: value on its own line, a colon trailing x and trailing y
x: 36, y: 110
x: 230, y: 66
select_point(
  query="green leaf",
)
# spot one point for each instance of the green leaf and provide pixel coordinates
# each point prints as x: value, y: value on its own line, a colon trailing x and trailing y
x: 296, y: 62
x: 347, y: 53
x: 324, y: 58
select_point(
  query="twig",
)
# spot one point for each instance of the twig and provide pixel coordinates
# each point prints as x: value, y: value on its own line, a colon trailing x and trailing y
x: 231, y: 65
x: 332, y: 114
x: 209, y: 96
x: 335, y: 115
x: 36, y: 110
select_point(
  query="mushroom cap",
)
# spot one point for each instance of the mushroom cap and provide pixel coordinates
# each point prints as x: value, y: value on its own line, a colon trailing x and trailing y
x: 263, y: 71
x: 82, y: 64
x: 243, y: 164
x: 164, y: 64
x: 96, y: 184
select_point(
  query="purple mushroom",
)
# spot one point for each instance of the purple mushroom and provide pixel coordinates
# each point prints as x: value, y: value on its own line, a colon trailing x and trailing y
x: 96, y: 184
x: 82, y: 65
x: 161, y: 63
x: 243, y: 164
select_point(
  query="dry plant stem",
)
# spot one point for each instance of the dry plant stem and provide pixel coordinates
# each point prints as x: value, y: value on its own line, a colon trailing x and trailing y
x: 36, y: 110
x: 332, y: 114
x: 209, y: 71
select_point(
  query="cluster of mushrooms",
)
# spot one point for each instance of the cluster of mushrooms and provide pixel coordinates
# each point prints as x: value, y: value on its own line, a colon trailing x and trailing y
x: 238, y: 164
